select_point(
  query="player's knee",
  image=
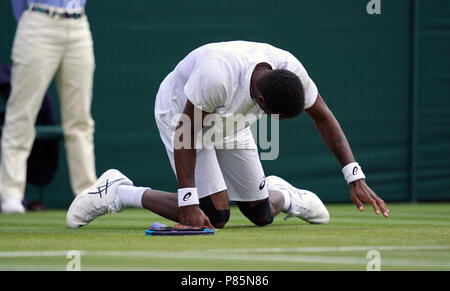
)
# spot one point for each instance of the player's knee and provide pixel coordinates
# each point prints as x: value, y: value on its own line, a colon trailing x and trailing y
x: 262, y: 221
x: 219, y: 218
x: 258, y: 212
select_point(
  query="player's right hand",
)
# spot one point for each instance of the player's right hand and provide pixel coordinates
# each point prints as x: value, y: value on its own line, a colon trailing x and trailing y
x: 193, y: 216
x: 361, y: 193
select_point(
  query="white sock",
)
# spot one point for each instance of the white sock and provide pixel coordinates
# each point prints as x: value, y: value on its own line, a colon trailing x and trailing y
x: 131, y: 196
x: 287, y: 200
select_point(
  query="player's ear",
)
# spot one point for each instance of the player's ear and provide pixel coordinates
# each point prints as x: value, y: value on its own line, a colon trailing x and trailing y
x: 260, y: 99
x: 262, y: 104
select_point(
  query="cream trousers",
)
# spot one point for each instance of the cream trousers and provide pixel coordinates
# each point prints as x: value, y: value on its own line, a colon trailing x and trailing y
x: 46, y: 47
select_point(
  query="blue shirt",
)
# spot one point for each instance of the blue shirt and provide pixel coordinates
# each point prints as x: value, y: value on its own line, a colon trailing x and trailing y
x: 19, y: 5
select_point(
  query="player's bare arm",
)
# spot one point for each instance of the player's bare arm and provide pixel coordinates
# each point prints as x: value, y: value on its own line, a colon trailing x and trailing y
x: 185, y: 159
x: 335, y: 139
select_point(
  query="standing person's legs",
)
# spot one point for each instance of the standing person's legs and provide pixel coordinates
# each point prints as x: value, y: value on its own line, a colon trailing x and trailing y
x: 75, y: 84
x: 36, y: 56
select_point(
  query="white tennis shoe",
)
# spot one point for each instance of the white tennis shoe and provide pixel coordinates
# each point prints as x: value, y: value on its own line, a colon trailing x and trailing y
x: 12, y: 206
x: 304, y: 204
x: 100, y: 199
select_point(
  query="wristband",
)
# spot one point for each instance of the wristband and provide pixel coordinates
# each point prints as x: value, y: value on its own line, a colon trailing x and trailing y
x: 353, y: 172
x: 187, y: 196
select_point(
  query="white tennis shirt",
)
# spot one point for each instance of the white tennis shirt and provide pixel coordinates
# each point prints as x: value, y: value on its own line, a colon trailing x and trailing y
x: 216, y: 79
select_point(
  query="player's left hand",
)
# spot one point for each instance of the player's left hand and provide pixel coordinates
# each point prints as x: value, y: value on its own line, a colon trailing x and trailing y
x: 193, y: 216
x: 361, y: 193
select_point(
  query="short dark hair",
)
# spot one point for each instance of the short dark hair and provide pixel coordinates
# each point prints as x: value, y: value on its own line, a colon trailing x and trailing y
x: 283, y: 92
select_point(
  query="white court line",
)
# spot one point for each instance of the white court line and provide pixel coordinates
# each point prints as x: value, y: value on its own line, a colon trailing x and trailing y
x: 336, y: 249
x: 32, y: 254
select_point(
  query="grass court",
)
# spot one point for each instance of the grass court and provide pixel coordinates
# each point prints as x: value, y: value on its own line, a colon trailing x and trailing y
x: 415, y: 237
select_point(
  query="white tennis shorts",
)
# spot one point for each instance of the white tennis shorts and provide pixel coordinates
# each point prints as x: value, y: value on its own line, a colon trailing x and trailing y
x: 239, y: 171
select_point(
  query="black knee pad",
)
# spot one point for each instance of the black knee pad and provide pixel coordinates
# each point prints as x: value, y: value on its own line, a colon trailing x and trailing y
x: 257, y: 212
x: 218, y: 218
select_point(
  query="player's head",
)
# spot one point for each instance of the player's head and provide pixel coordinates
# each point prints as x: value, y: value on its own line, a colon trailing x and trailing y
x: 281, y: 92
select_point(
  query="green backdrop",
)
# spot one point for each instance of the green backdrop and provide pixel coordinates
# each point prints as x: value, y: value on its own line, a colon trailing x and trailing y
x: 386, y: 77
